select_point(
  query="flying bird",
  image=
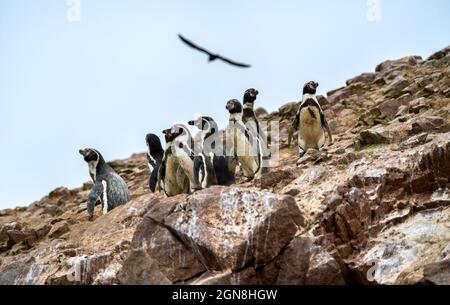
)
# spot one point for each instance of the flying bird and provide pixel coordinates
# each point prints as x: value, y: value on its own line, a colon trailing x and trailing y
x: 212, y: 56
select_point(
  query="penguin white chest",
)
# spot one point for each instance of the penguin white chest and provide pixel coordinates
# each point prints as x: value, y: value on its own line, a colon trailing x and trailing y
x: 311, y: 133
x: 93, y: 169
x: 105, y: 197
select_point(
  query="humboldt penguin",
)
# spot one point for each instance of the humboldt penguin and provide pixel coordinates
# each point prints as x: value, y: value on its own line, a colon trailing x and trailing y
x: 251, y: 121
x: 176, y: 173
x: 310, y: 121
x: 155, y: 154
x: 109, y: 187
x: 212, y: 164
x: 242, y: 146
x: 248, y: 114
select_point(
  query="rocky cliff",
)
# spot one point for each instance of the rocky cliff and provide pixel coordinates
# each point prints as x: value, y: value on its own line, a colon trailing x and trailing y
x: 374, y: 208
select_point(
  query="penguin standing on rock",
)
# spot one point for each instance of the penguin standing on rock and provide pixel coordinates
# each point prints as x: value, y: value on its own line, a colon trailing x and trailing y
x: 155, y: 155
x: 109, y: 187
x: 251, y: 121
x: 248, y: 115
x: 176, y: 173
x: 310, y: 121
x: 211, y: 164
x: 242, y: 145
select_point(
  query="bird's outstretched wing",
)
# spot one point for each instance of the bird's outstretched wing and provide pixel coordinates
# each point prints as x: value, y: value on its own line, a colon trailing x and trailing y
x: 234, y: 63
x: 211, y: 55
x: 194, y: 46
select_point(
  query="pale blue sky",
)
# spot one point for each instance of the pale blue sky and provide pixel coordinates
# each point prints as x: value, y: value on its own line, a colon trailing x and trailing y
x: 121, y: 72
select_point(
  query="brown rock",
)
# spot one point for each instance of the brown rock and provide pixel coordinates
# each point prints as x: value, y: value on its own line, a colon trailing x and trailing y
x: 18, y: 236
x: 395, y: 88
x: 59, y: 229
x: 140, y: 269
x: 427, y: 124
x: 159, y: 243
x: 8, y: 227
x: 228, y: 228
x: 392, y: 64
x: 304, y: 263
x: 437, y: 273
x: 43, y: 230
x: 440, y: 54
x: 365, y: 78
x: 416, y: 140
x: 391, y: 107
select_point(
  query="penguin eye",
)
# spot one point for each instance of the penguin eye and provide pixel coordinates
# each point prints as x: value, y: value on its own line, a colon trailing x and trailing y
x: 213, y: 130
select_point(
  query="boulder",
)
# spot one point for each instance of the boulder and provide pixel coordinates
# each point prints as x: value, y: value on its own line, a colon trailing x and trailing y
x: 8, y: 227
x: 140, y: 269
x: 231, y: 228
x: 428, y: 124
x: 395, y: 88
x: 402, y: 251
x: 159, y: 244
x: 440, y: 54
x: 391, y: 107
x: 392, y: 64
x: 59, y: 229
x: 304, y: 263
x: 418, y: 104
x: 365, y: 78
x: 437, y: 273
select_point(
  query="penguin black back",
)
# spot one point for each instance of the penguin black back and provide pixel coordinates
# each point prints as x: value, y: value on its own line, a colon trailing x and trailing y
x: 154, y: 157
x: 108, y: 187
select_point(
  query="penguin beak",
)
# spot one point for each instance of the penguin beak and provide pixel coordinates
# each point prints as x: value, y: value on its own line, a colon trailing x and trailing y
x: 316, y: 85
x: 84, y: 152
x: 166, y: 131
x: 192, y: 123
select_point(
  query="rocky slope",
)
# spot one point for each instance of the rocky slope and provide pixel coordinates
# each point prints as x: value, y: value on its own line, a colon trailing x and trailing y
x: 374, y: 208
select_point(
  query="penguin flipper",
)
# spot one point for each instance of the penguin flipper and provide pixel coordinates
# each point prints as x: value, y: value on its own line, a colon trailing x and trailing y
x: 153, y: 181
x: 199, y: 170
x: 94, y: 195
x: 161, y: 175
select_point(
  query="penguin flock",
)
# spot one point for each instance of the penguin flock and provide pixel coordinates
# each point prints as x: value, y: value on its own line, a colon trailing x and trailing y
x: 188, y: 164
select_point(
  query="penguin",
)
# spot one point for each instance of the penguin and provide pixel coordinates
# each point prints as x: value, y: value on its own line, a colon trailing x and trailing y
x: 310, y: 121
x: 248, y: 115
x: 251, y: 121
x: 109, y: 187
x: 176, y: 173
x: 211, y: 160
x: 241, y: 145
x: 155, y: 154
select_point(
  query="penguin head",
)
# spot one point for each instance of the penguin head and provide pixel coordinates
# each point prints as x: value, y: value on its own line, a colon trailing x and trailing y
x: 234, y: 106
x: 153, y: 143
x: 310, y: 87
x: 95, y: 161
x: 90, y: 155
x: 178, y: 131
x: 204, y: 123
x: 250, y: 95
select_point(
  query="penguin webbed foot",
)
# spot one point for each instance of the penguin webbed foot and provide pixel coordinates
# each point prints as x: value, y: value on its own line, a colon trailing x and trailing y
x: 248, y: 179
x: 195, y: 190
